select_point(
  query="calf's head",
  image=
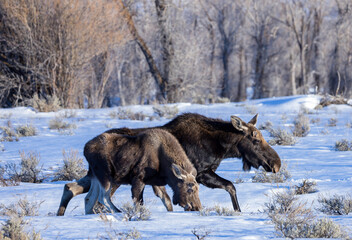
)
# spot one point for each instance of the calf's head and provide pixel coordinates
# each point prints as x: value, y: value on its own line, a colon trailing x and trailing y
x: 186, y: 189
x: 254, y: 150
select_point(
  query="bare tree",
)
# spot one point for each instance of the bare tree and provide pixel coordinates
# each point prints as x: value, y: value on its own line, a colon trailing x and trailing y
x: 340, y: 73
x: 48, y: 43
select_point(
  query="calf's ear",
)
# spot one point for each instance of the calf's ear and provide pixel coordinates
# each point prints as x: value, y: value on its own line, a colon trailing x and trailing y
x: 178, y: 171
x: 237, y: 123
x: 254, y: 120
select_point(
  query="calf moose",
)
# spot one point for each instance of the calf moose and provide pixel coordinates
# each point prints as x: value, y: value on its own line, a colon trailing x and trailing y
x: 207, y: 142
x: 153, y: 157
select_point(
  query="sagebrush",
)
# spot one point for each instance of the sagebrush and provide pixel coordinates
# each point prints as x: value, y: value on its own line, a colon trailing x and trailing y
x: 73, y: 167
x: 307, y: 186
x: 281, y: 137
x: 301, y: 126
x: 335, y: 205
x: 293, y: 219
x: 343, y: 145
x: 135, y: 212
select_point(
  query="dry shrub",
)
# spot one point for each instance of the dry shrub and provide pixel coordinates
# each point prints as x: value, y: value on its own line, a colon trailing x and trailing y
x: 113, y: 234
x: 330, y: 99
x: 135, y: 212
x: 336, y: 205
x: 13, y: 229
x: 48, y: 104
x: 251, y: 109
x: 6, y: 182
x: 127, y: 115
x: 8, y: 134
x: 200, y: 234
x: 343, y: 145
x: 263, y: 176
x: 62, y: 126
x: 281, y: 137
x: 73, y: 167
x: 21, y: 208
x: 332, y: 122
x: 26, y: 130
x: 301, y: 126
x: 266, y: 126
x: 306, y: 187
x: 315, y: 121
x: 222, y: 100
x: 30, y: 169
x: 70, y: 113
x: 292, y: 219
x: 217, y: 210
x: 14, y: 226
x: 165, y: 111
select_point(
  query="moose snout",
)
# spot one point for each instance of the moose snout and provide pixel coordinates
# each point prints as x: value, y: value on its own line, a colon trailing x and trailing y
x: 276, y: 168
x: 191, y: 207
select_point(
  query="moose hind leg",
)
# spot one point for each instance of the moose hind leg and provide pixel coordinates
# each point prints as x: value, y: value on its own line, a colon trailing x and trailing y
x: 71, y: 190
x: 105, y: 197
x: 90, y: 200
x: 212, y: 180
x: 160, y: 192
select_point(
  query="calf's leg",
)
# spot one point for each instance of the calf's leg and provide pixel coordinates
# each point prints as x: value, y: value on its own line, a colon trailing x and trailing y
x: 137, y: 190
x: 160, y: 192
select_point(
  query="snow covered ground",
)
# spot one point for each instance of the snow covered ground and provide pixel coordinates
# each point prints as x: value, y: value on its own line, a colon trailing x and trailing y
x: 312, y: 157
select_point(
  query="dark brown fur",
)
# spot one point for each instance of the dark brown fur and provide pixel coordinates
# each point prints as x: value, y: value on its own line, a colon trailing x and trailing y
x: 207, y: 142
x: 153, y: 157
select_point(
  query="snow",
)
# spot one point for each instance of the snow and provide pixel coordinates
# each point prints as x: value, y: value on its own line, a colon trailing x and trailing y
x: 312, y: 157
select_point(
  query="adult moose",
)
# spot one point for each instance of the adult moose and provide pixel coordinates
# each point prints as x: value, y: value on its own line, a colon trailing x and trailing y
x: 153, y: 157
x: 207, y: 142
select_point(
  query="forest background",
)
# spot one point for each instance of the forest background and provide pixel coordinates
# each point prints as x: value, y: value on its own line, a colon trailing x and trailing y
x: 100, y: 53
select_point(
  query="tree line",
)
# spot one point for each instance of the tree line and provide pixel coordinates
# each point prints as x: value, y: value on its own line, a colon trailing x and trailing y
x: 97, y: 53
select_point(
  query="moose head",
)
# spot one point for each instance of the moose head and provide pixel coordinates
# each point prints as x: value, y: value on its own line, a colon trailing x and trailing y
x: 253, y: 148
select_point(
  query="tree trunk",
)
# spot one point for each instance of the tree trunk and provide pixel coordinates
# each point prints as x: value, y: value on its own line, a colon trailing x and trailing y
x: 167, y: 47
x: 160, y: 81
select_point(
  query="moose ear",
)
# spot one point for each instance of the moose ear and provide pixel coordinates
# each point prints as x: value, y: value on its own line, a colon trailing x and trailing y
x: 178, y: 171
x: 254, y: 120
x: 238, y: 124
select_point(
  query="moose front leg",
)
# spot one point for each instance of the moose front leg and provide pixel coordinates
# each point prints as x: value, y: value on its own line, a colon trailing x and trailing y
x: 160, y: 192
x: 212, y: 180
